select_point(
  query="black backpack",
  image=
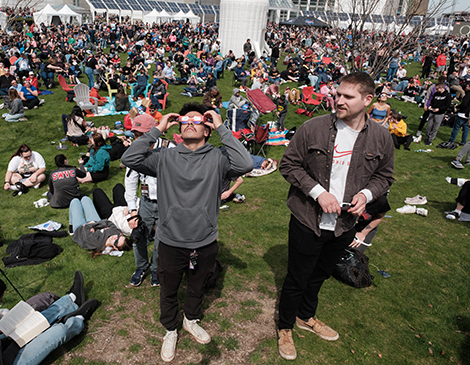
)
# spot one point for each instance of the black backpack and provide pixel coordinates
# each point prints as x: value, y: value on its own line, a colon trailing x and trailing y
x: 353, y: 269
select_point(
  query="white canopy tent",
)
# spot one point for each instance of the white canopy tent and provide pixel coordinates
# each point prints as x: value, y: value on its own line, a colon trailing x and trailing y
x: 179, y: 16
x: 164, y: 16
x: 193, y: 18
x: 45, y: 15
x: 152, y: 17
x: 66, y: 15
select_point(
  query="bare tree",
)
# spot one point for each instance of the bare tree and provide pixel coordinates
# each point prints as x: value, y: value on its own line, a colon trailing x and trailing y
x: 378, y: 42
x: 16, y: 6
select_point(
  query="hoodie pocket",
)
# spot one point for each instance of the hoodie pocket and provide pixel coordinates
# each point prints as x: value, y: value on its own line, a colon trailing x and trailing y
x: 187, y: 224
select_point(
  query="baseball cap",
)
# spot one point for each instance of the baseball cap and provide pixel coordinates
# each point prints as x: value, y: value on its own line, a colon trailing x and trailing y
x: 31, y: 72
x: 143, y: 123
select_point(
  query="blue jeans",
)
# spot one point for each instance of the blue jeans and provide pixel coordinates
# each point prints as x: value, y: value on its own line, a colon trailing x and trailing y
x: 459, y: 123
x: 14, y: 117
x: 402, y: 86
x: 81, y: 212
x: 391, y: 73
x: 155, y: 100
x: 34, y: 352
x: 139, y: 89
x: 148, y: 210
x: 91, y: 77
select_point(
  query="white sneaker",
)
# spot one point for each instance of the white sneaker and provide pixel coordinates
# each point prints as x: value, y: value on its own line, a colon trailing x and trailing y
x: 422, y: 211
x: 452, y: 215
x: 407, y: 209
x: 41, y: 101
x: 416, y: 200
x: 169, y: 346
x: 197, y: 331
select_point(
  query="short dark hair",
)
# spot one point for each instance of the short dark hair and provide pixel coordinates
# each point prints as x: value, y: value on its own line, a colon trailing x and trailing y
x: 365, y: 82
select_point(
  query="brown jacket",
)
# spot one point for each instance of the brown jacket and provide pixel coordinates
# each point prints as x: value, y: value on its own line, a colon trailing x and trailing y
x: 209, y: 98
x: 308, y: 160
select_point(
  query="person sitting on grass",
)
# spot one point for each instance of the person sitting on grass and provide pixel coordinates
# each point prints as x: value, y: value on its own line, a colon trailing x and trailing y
x: 92, y: 233
x: 29, y: 96
x: 75, y: 127
x: 462, y: 210
x: 397, y: 128
x: 63, y: 183
x: 379, y: 111
x: 95, y: 93
x: 16, y: 113
x: 26, y: 167
x: 157, y: 93
x: 97, y: 164
x: 121, y: 100
x: 66, y: 315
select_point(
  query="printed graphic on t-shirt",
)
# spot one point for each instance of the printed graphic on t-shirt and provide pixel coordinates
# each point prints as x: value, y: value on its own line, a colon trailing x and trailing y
x: 341, y: 157
x: 59, y: 175
x: 26, y: 167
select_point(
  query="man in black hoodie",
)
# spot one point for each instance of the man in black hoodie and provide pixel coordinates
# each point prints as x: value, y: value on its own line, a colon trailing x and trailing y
x: 439, y: 105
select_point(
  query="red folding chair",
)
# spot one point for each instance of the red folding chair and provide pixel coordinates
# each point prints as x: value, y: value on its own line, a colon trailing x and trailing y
x: 312, y: 101
x: 257, y: 139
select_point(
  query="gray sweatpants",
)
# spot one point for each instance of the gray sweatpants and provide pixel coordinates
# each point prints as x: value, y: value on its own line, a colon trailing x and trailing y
x: 434, y: 122
x: 464, y: 151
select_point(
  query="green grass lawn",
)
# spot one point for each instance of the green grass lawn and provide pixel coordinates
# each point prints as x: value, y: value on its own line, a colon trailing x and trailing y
x: 419, y: 315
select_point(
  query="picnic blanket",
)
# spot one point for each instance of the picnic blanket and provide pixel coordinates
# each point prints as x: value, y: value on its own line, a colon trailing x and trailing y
x: 260, y: 172
x: 109, y: 109
x: 277, y: 138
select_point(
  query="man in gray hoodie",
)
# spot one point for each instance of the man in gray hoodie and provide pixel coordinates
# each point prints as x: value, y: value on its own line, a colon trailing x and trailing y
x: 189, y: 185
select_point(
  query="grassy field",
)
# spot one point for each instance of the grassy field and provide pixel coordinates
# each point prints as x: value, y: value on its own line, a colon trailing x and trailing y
x: 420, y: 315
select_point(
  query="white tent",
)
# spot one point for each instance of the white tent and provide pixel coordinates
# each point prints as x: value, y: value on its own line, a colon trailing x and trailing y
x: 45, y: 15
x: 66, y: 14
x: 179, y: 16
x: 152, y: 17
x: 164, y: 16
x: 193, y: 18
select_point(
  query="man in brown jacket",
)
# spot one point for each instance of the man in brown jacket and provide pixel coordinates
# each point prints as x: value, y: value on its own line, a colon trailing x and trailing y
x: 336, y: 164
x: 213, y: 100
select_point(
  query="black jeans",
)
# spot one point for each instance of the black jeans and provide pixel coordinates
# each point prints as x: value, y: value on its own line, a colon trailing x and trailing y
x: 172, y: 263
x: 31, y: 103
x: 406, y: 141
x: 103, y: 205
x: 312, y: 260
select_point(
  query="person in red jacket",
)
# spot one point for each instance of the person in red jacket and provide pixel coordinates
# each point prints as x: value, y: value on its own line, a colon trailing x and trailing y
x: 441, y: 61
x: 95, y: 92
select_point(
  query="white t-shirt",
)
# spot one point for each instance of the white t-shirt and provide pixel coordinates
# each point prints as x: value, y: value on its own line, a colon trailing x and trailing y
x: 344, y: 144
x: 26, y: 167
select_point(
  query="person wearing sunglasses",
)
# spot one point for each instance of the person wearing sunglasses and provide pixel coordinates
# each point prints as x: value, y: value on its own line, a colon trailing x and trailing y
x: 26, y: 167
x: 189, y: 186
x: 92, y: 233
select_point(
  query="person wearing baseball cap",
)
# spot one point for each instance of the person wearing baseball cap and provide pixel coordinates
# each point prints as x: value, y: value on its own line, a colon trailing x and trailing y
x: 148, y: 208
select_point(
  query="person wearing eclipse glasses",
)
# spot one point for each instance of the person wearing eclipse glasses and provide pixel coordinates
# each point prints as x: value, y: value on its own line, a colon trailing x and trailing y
x: 189, y: 185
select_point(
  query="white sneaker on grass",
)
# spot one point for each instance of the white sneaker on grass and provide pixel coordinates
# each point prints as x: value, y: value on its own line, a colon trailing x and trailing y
x: 407, y: 209
x: 168, y: 351
x: 416, y: 200
x: 452, y: 215
x: 197, y: 331
x: 422, y: 211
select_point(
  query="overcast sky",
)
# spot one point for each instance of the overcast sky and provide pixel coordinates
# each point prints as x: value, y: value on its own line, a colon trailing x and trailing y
x: 462, y: 5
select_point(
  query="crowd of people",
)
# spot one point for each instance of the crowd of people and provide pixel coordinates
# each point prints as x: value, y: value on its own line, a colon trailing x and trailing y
x: 182, y: 185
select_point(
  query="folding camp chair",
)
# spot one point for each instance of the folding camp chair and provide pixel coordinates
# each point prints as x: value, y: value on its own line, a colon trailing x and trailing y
x: 312, y: 101
x: 259, y: 139
x: 237, y: 119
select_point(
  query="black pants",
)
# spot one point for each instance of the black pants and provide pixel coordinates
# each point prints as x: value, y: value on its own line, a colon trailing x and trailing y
x: 464, y: 197
x: 424, y: 119
x: 172, y: 263
x: 31, y: 103
x: 406, y: 141
x: 103, y: 205
x: 312, y: 260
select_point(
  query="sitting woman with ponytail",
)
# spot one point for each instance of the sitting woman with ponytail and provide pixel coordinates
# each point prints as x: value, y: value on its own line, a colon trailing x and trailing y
x: 75, y: 127
x: 63, y: 183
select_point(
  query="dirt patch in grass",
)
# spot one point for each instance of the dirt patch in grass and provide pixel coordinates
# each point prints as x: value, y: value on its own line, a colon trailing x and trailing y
x: 237, y: 323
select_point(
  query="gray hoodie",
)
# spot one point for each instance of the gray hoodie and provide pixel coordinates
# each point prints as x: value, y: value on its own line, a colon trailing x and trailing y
x: 236, y: 101
x: 189, y: 184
